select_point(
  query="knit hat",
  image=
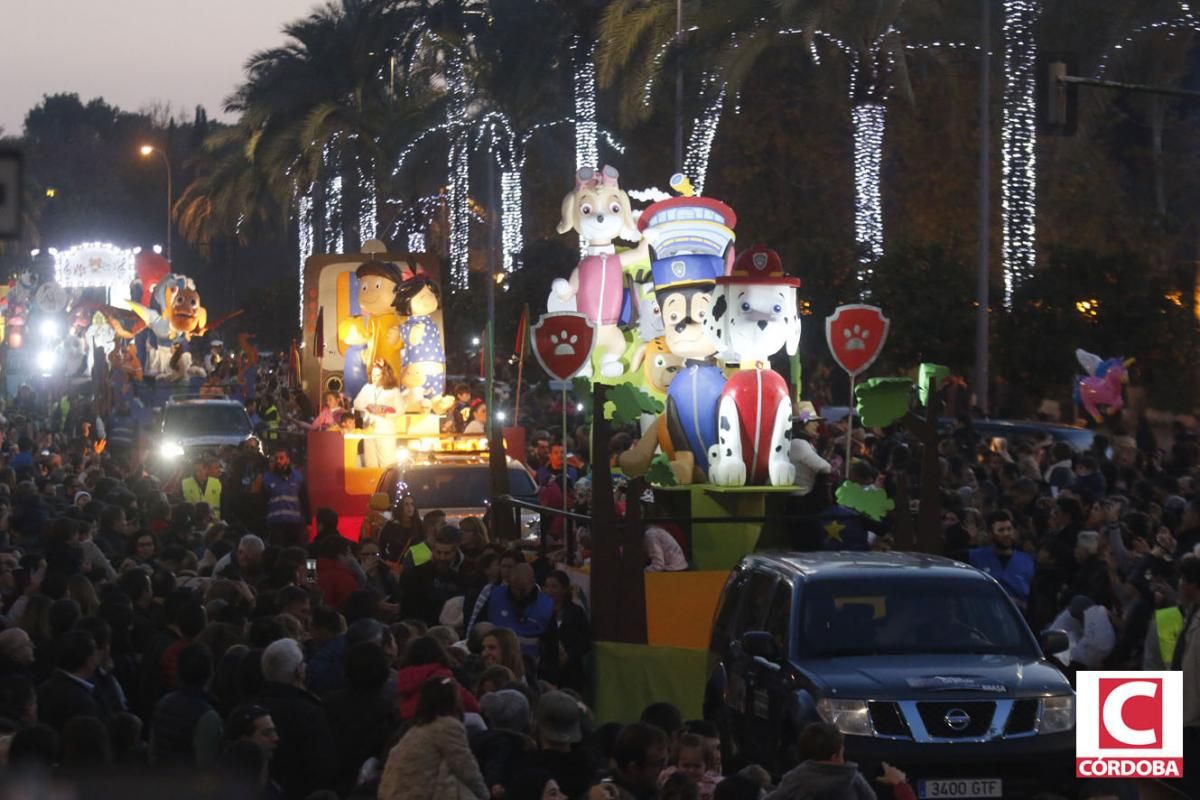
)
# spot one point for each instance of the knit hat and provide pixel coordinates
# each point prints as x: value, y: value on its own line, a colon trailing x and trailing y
x: 506, y: 709
x: 558, y: 717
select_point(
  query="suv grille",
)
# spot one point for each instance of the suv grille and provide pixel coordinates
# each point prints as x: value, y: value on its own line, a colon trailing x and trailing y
x: 888, y: 720
x: 938, y: 717
x: 1023, y: 718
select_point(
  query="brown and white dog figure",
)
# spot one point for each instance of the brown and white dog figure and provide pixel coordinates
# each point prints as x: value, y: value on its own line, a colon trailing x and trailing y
x: 599, y: 211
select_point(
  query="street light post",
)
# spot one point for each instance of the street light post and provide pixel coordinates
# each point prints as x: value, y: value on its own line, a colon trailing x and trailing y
x: 146, y: 150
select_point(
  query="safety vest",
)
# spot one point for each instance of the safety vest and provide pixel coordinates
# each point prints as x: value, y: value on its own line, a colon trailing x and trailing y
x: 270, y: 415
x: 1169, y: 624
x: 210, y: 495
x: 283, y: 497
x: 121, y: 431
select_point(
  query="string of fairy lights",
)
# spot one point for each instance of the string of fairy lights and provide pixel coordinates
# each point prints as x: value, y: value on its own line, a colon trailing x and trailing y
x: 1018, y: 145
x: 867, y: 122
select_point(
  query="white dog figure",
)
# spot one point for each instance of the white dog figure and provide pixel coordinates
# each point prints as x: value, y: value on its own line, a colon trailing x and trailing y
x: 600, y: 212
x: 754, y: 316
x: 754, y: 313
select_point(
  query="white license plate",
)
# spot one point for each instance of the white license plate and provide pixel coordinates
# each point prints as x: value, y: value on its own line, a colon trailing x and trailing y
x: 959, y: 788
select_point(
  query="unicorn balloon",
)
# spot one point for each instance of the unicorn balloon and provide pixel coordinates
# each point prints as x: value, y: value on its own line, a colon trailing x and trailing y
x: 1102, y: 386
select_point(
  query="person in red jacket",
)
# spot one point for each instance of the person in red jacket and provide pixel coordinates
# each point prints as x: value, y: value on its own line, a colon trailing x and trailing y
x: 335, y: 579
x: 423, y: 660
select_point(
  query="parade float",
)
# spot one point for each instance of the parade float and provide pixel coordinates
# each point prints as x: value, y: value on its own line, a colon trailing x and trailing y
x: 362, y: 311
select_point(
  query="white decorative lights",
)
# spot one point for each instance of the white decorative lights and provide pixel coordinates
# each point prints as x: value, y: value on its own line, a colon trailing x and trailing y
x: 1018, y: 142
x: 95, y: 264
x: 868, y: 123
x: 587, y: 151
x: 304, y: 224
x: 704, y: 133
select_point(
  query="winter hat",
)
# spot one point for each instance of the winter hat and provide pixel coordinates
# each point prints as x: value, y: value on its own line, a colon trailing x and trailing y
x: 506, y: 709
x: 558, y: 717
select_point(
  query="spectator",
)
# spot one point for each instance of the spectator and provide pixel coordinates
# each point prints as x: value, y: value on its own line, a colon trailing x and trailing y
x: 426, y: 588
x: 522, y: 608
x: 334, y: 577
x: 360, y: 717
x: 1011, y: 567
x: 824, y: 772
x: 307, y: 756
x: 639, y: 757
x: 424, y: 661
x: 663, y: 553
x: 554, y: 465
x: 433, y: 761
x: 500, y: 749
x: 558, y: 726
x: 286, y: 494
x: 187, y: 729
x: 69, y: 691
x: 569, y: 640
x: 693, y: 760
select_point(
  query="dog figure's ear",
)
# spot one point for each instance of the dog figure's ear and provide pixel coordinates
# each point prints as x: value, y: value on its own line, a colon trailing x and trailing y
x: 570, y: 214
x: 629, y: 229
x: 793, y: 333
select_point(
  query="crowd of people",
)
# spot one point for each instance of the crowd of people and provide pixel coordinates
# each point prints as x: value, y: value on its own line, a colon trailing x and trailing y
x: 165, y: 625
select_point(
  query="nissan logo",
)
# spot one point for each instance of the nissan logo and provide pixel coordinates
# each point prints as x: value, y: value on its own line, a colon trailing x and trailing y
x: 956, y: 719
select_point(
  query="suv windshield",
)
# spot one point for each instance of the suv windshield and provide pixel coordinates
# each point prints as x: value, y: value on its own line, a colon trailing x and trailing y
x: 899, y: 616
x: 218, y: 419
x: 458, y: 487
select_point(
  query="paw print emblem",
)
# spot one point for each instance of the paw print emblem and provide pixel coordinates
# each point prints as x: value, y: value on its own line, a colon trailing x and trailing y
x: 564, y: 343
x: 856, y: 337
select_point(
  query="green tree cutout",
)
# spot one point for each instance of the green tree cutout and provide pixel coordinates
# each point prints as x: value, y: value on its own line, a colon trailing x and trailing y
x: 660, y: 473
x: 882, y: 401
x: 873, y: 503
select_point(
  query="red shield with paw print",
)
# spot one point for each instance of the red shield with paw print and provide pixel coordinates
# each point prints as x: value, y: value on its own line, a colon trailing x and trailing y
x: 856, y: 334
x: 563, y: 342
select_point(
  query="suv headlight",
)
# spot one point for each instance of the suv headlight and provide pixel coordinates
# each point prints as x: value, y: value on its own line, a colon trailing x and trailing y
x: 1057, y: 714
x: 171, y: 450
x: 851, y: 717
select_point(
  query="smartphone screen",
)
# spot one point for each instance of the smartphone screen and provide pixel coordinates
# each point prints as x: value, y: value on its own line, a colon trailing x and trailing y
x: 312, y: 569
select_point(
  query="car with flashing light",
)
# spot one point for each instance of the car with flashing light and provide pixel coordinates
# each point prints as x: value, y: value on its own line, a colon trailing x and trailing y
x: 458, y: 483
x: 919, y: 661
x: 193, y: 426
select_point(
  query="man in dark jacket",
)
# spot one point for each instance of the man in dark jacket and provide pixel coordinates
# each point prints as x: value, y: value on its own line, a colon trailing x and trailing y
x: 360, y: 717
x: 825, y: 773
x: 69, y: 691
x: 500, y: 748
x: 424, y: 589
x: 307, y: 757
x: 187, y: 730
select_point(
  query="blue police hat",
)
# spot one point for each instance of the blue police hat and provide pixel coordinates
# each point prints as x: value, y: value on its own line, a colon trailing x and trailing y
x: 686, y: 270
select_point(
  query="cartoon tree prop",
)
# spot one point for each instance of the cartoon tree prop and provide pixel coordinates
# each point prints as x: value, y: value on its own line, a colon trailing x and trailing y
x: 883, y: 401
x: 872, y: 503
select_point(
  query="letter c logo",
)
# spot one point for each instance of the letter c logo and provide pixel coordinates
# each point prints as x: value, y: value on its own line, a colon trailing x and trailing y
x: 1114, y: 721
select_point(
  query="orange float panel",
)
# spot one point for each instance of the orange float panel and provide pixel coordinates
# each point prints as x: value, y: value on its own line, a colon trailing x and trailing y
x: 680, y: 607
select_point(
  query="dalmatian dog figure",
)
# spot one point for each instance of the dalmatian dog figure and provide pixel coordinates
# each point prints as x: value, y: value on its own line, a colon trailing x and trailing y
x: 754, y: 313
x: 754, y: 316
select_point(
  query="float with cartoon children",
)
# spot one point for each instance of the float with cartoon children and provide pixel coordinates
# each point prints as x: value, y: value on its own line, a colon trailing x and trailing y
x: 374, y: 361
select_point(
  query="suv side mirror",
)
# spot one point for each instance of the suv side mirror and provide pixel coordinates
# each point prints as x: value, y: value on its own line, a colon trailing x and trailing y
x: 1053, y: 642
x: 760, y: 644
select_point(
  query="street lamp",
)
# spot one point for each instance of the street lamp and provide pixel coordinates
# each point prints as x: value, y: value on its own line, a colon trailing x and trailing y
x: 146, y: 150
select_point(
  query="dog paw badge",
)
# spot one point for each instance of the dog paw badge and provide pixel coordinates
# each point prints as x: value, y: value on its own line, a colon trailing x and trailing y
x: 856, y: 334
x: 563, y: 342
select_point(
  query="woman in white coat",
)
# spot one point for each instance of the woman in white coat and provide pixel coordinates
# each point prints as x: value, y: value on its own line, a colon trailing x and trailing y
x: 380, y: 401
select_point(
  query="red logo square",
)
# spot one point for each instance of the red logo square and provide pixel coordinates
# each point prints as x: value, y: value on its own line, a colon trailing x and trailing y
x: 1131, y: 713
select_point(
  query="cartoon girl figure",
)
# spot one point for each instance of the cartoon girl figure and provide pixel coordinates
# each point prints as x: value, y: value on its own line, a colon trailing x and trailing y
x: 424, y: 353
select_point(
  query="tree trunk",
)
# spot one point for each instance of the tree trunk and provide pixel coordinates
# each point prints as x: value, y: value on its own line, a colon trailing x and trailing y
x: 587, y: 151
x: 511, y: 220
x: 868, y: 119
x: 459, y: 209
x: 1018, y: 145
x: 618, y: 567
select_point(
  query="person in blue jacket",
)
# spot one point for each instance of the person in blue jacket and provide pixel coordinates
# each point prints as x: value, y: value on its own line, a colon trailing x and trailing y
x: 521, y: 607
x: 1003, y: 560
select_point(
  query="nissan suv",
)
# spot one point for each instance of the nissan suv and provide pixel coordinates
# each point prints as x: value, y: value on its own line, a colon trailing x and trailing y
x: 194, y: 426
x: 920, y: 661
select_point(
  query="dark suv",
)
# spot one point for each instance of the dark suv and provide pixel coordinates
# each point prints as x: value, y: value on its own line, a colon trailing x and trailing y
x: 920, y: 661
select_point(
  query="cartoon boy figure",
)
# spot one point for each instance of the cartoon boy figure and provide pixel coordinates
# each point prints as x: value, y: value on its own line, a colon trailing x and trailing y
x: 377, y: 329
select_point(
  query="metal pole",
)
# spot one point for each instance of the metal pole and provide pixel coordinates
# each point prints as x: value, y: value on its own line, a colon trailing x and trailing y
x: 849, y: 427
x: 678, y: 87
x: 981, y: 286
x: 564, y: 446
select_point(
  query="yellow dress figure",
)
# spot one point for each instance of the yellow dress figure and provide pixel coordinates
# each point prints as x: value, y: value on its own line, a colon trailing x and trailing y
x: 375, y: 334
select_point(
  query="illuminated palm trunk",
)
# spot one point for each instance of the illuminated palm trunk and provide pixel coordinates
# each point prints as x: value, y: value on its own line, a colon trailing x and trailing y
x: 587, y: 151
x: 512, y: 237
x: 868, y: 119
x: 1018, y: 140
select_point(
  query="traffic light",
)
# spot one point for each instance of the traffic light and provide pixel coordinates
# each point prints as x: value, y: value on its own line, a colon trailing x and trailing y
x: 1058, y: 99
